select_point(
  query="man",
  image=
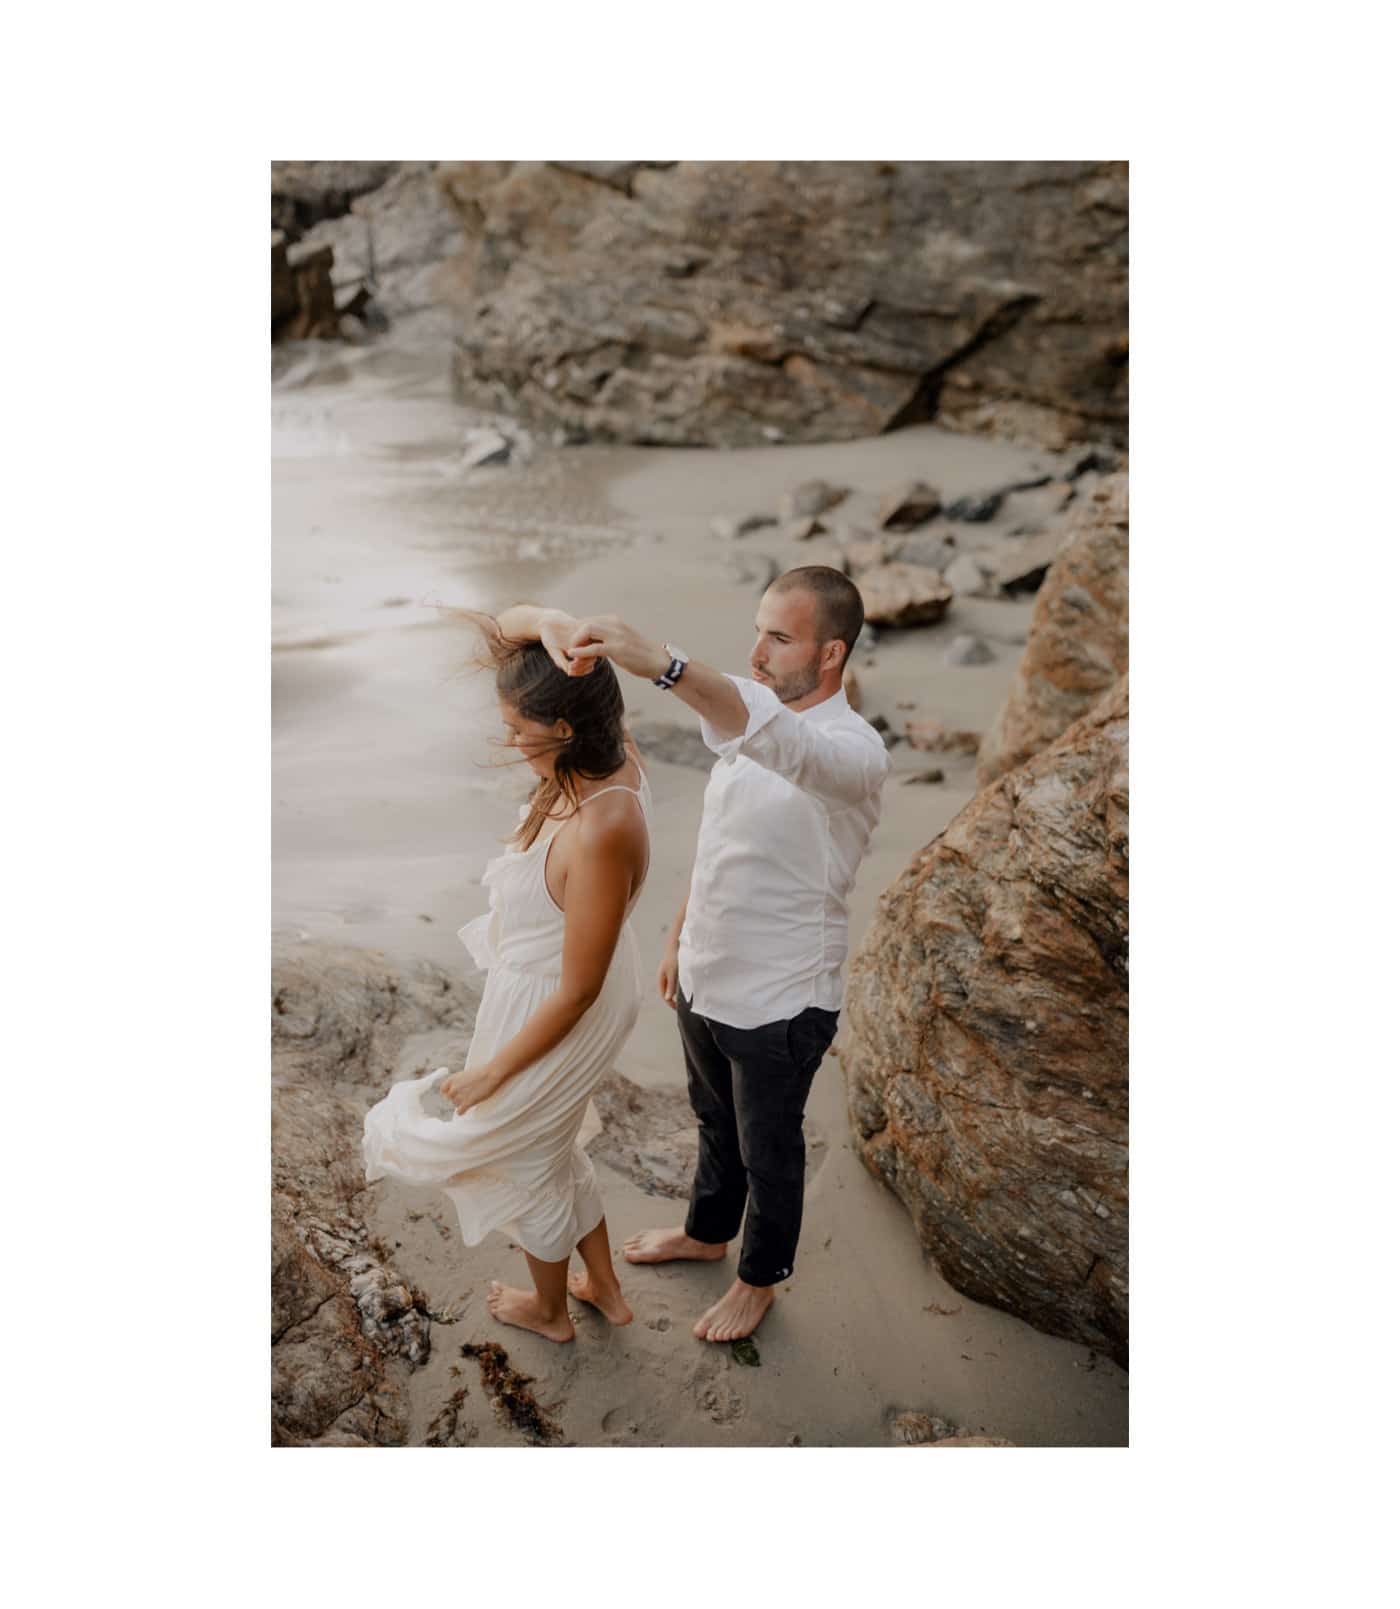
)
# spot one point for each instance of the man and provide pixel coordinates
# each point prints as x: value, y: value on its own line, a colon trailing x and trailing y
x: 753, y: 962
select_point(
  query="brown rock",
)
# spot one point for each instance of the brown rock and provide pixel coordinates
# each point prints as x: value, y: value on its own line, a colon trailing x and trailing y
x: 909, y: 505
x: 936, y: 738
x: 987, y: 1064
x: 1078, y: 642
x: 903, y: 595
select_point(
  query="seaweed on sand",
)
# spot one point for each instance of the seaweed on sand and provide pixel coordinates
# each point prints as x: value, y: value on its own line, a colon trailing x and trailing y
x: 511, y: 1394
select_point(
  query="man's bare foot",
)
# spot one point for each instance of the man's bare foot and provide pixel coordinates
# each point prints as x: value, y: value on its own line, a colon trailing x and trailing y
x: 611, y: 1304
x: 522, y: 1308
x: 736, y: 1313
x: 668, y: 1246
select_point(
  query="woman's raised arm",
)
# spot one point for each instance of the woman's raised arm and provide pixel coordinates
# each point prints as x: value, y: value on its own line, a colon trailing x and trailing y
x: 530, y: 622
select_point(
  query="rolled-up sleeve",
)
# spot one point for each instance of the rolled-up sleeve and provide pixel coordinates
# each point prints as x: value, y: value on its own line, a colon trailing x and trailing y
x: 838, y: 765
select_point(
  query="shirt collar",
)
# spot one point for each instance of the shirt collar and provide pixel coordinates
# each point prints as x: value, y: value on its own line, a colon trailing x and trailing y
x: 828, y: 709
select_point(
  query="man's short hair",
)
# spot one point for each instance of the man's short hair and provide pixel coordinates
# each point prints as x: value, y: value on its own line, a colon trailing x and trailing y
x: 840, y: 610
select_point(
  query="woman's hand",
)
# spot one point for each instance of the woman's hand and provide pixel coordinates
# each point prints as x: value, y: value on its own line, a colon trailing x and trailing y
x: 471, y: 1086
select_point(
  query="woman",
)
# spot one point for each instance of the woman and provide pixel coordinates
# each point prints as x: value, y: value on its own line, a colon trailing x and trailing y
x: 563, y: 989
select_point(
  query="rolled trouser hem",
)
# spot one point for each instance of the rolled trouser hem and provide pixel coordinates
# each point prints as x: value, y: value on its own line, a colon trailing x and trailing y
x: 763, y: 1277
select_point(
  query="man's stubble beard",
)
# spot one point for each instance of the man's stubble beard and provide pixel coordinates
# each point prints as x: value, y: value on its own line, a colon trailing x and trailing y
x: 798, y: 683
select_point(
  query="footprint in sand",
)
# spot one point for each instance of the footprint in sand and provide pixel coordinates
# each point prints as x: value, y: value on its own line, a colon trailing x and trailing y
x: 663, y: 1323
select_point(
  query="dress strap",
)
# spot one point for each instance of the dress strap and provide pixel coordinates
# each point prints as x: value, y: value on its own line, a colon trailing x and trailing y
x: 615, y: 787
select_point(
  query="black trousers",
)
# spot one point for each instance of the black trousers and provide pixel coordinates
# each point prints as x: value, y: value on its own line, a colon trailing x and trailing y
x: 748, y: 1088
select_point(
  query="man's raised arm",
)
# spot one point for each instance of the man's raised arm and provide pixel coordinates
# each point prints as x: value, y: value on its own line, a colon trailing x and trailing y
x: 840, y: 767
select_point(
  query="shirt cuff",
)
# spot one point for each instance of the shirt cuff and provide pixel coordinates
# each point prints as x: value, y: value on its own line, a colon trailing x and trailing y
x: 762, y: 704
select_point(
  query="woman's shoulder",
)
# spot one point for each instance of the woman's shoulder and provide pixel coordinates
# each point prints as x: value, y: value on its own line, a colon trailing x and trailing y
x: 613, y: 818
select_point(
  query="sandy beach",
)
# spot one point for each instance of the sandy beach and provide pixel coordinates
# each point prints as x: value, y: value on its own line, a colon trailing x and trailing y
x: 386, y: 805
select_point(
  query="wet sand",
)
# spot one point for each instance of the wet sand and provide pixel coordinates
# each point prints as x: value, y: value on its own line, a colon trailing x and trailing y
x: 386, y: 805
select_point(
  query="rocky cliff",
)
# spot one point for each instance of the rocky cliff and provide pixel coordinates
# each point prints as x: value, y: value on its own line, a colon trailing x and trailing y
x: 736, y: 303
x: 987, y: 1068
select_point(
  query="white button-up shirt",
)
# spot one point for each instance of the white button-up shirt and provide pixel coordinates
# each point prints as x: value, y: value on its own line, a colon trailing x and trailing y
x: 789, y: 810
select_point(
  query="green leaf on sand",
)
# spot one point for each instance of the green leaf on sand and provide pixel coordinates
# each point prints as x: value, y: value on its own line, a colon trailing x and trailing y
x: 746, y: 1352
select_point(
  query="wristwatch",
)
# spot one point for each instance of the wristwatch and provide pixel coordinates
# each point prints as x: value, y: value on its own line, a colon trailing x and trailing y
x: 673, y: 672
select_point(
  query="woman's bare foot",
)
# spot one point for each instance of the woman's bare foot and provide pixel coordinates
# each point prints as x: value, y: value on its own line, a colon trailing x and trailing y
x: 522, y: 1308
x: 611, y: 1304
x: 670, y: 1245
x: 736, y: 1313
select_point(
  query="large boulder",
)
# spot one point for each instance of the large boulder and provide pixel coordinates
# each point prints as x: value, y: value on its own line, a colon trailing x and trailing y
x: 345, y: 1024
x: 735, y: 303
x: 987, y: 1068
x: 1077, y: 646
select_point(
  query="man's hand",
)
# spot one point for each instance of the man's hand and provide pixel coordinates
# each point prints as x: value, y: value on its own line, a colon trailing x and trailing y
x: 667, y: 974
x: 607, y: 637
x: 557, y: 631
x: 470, y: 1087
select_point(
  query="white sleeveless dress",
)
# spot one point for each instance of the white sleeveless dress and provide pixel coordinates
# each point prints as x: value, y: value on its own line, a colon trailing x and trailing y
x: 514, y: 1162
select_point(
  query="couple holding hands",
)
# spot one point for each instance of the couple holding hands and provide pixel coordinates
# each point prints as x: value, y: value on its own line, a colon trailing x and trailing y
x: 752, y: 965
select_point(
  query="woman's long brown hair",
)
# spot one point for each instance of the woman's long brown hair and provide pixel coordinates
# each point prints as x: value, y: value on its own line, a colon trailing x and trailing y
x: 529, y: 680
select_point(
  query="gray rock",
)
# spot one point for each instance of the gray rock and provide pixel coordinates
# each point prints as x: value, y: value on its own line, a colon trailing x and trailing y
x: 811, y: 498
x: 937, y: 549
x: 968, y: 650
x: 483, y: 447
x: 753, y: 569
x: 964, y: 574
x: 909, y: 505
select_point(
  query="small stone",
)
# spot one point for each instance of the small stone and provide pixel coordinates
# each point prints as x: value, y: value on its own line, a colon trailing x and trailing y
x: 803, y: 530
x: 811, y: 498
x: 483, y: 447
x: 977, y: 509
x: 937, y: 738
x: 968, y: 650
x: 964, y: 574
x: 936, y: 775
x: 909, y: 505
